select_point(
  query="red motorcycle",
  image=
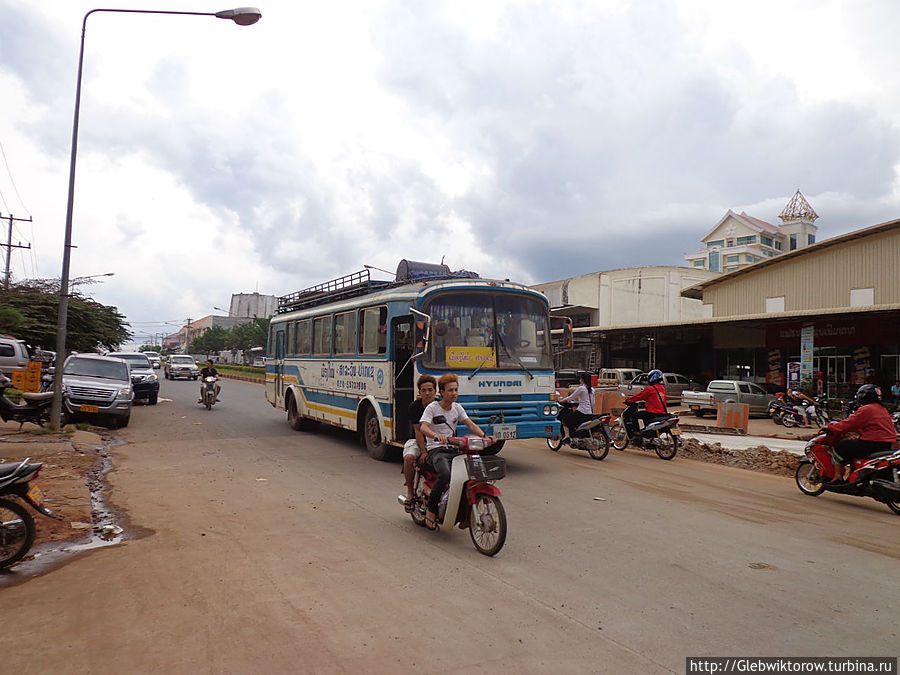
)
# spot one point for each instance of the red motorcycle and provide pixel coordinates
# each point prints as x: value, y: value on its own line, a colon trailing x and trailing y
x: 471, y: 500
x: 877, y: 476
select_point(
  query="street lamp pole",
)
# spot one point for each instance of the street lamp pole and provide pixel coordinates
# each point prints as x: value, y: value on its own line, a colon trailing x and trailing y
x: 242, y: 16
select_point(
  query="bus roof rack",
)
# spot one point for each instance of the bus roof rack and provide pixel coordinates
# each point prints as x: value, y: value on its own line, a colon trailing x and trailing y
x: 360, y: 283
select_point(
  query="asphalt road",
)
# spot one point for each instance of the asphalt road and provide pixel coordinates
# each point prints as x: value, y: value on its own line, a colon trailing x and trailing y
x: 258, y: 549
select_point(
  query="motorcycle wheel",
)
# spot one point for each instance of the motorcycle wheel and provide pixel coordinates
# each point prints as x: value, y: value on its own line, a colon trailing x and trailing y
x: 487, y: 526
x: 208, y: 401
x: 620, y: 436
x: 555, y: 443
x: 789, y: 421
x: 16, y: 532
x: 808, y: 479
x: 776, y: 418
x: 601, y: 452
x: 667, y: 447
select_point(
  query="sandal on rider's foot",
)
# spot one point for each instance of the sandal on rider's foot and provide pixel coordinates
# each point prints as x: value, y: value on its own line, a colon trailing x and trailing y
x: 431, y: 525
x: 409, y: 505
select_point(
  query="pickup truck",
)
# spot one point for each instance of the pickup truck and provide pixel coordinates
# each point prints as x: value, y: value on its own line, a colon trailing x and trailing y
x: 727, y: 391
x: 675, y: 385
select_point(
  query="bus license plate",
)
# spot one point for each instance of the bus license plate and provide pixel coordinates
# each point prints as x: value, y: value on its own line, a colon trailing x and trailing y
x: 89, y: 408
x: 503, y: 432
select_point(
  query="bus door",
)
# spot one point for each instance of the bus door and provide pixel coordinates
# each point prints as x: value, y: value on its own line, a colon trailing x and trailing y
x: 279, y: 367
x: 403, y: 348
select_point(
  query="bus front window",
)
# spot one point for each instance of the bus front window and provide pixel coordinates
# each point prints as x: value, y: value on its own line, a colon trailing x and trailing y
x: 481, y: 330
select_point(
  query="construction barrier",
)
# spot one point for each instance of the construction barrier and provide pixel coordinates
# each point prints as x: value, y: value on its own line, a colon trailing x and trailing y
x: 608, y: 401
x: 733, y: 416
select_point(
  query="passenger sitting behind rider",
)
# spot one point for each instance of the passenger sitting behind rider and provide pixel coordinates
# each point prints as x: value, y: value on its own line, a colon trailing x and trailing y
x: 582, y: 395
x: 209, y: 371
x: 873, y: 424
x: 414, y: 448
x: 439, y: 422
x: 654, y: 397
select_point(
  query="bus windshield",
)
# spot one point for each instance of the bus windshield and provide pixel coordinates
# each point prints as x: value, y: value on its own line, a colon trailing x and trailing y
x: 483, y: 330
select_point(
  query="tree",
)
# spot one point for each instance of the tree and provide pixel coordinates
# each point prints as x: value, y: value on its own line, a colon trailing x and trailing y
x: 212, y: 340
x: 248, y: 335
x: 89, y: 324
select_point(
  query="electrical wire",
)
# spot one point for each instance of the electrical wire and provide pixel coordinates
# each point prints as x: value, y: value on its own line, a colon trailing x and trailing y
x: 12, y: 181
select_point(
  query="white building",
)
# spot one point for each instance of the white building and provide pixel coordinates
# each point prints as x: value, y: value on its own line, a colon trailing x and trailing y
x: 739, y: 240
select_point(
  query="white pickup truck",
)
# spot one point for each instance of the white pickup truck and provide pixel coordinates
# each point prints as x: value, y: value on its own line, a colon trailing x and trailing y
x: 727, y: 391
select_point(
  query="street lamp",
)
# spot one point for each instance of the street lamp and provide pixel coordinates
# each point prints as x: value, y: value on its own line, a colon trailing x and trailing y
x: 87, y: 279
x: 242, y: 16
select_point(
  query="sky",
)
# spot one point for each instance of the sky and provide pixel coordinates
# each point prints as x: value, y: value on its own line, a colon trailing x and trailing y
x: 530, y: 140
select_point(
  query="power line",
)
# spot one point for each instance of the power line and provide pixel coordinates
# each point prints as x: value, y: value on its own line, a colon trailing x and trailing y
x: 13, y: 182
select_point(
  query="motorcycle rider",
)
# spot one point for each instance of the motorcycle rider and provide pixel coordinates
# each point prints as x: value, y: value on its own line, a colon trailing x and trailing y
x: 654, y: 397
x: 583, y: 396
x: 438, y: 422
x: 803, y: 404
x: 414, y: 448
x: 874, y: 426
x: 209, y: 371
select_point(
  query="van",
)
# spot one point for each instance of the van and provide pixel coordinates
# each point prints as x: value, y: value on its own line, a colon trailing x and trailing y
x: 13, y: 355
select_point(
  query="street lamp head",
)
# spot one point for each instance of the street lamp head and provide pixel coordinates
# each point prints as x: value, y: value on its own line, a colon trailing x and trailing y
x: 242, y: 16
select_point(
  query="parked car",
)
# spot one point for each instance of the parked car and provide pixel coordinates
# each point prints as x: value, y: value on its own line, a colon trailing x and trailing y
x: 155, y: 359
x: 181, y: 365
x: 143, y: 379
x: 675, y: 385
x: 98, y: 387
x: 13, y: 355
x: 566, y: 377
x: 616, y: 376
x: 728, y: 391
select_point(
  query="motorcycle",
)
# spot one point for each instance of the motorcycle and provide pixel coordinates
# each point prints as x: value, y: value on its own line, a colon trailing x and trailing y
x: 16, y: 524
x: 895, y: 418
x: 592, y: 435
x: 663, y: 434
x: 34, y: 408
x: 208, y: 394
x: 471, y: 500
x: 793, y: 415
x: 876, y: 476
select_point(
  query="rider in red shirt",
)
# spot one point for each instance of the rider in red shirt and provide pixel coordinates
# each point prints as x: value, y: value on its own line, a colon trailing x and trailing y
x: 654, y: 397
x: 873, y: 424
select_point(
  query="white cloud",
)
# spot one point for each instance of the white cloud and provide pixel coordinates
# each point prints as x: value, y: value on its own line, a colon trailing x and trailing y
x: 523, y: 139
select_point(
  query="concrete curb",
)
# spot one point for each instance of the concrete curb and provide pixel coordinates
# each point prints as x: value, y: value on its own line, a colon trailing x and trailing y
x: 242, y: 378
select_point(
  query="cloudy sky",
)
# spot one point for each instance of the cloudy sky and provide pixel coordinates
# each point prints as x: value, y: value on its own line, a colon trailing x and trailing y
x: 532, y: 140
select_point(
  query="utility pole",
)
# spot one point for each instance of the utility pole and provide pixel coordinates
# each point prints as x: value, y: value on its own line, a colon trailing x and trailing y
x: 9, y: 245
x: 187, y: 335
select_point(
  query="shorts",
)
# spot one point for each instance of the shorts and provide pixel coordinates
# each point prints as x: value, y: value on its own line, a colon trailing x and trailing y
x: 411, y: 448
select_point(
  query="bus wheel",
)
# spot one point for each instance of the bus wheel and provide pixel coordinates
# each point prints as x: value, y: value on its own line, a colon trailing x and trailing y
x: 297, y: 422
x: 372, y: 436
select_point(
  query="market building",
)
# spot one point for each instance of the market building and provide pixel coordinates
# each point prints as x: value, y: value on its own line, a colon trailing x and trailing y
x: 845, y: 291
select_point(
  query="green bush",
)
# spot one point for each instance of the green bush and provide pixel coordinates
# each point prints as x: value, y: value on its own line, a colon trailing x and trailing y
x: 250, y: 371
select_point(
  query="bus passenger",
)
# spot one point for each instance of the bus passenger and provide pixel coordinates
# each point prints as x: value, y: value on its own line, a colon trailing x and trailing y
x: 415, y: 446
x: 438, y: 422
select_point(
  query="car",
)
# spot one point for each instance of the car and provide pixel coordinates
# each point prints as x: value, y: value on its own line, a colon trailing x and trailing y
x: 97, y: 387
x: 13, y: 355
x: 566, y: 377
x: 155, y: 359
x: 143, y: 379
x: 675, y: 385
x: 617, y: 376
x: 181, y: 365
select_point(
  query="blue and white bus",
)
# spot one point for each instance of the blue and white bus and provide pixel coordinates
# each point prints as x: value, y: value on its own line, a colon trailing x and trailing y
x: 348, y: 353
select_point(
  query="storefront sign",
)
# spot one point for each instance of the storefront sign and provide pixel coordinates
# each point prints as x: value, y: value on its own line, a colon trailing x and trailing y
x: 807, y: 337
x: 774, y: 375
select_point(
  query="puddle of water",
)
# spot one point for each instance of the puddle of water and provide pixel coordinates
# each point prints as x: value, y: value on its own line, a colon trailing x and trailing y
x: 105, y: 530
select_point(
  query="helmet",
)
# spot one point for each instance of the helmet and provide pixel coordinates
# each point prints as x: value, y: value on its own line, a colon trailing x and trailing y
x: 868, y: 393
x: 655, y: 376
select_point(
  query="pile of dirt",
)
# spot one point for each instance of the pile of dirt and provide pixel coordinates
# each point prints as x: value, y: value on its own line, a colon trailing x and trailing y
x: 72, y: 468
x: 760, y: 458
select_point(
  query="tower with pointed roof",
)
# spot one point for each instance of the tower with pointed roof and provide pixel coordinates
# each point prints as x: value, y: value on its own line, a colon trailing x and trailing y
x: 739, y: 240
x: 797, y: 222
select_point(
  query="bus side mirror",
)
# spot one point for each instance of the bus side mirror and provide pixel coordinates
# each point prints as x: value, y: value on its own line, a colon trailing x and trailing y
x: 567, y: 336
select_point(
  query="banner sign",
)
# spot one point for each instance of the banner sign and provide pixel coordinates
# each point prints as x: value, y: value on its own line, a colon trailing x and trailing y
x: 807, y: 337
